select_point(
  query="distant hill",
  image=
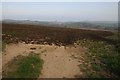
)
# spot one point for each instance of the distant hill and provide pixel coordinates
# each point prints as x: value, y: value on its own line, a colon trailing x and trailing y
x: 104, y: 25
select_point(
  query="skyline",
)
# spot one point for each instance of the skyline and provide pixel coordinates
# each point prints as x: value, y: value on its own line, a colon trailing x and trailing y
x: 60, y: 1
x: 60, y: 11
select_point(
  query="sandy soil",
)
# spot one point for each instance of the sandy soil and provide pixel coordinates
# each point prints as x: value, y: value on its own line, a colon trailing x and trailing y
x: 58, y: 62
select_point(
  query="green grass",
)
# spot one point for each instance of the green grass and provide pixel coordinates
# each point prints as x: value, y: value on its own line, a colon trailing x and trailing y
x: 25, y: 67
x: 3, y: 45
x: 104, y: 58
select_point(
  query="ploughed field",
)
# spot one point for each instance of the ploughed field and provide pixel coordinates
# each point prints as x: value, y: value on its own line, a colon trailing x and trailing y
x: 35, y: 34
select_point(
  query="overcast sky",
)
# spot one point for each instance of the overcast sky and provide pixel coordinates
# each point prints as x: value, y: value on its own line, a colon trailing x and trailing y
x: 60, y: 11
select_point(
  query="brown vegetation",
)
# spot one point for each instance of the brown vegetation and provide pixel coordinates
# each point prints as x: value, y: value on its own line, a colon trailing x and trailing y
x: 14, y: 33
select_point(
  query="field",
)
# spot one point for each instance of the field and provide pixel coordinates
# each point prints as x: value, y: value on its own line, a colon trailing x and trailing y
x: 87, y: 53
x: 41, y: 34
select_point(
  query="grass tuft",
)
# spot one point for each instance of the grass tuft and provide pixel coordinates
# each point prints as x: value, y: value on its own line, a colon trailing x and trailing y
x: 25, y: 67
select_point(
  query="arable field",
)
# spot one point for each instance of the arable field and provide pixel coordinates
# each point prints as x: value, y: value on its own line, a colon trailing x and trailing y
x: 33, y: 51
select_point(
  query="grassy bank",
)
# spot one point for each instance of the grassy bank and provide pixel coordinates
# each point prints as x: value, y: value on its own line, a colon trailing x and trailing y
x: 103, y: 58
x: 24, y: 67
x: 3, y: 46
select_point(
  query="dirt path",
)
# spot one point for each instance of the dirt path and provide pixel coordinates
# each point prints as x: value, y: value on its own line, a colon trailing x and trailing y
x: 58, y: 62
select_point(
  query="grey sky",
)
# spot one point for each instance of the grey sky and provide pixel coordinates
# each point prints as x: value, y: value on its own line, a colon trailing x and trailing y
x: 61, y: 11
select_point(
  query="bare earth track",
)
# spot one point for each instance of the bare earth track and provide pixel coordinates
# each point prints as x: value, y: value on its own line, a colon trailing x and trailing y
x: 58, y: 62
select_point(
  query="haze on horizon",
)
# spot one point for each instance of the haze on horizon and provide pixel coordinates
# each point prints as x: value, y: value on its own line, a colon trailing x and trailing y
x: 60, y: 11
